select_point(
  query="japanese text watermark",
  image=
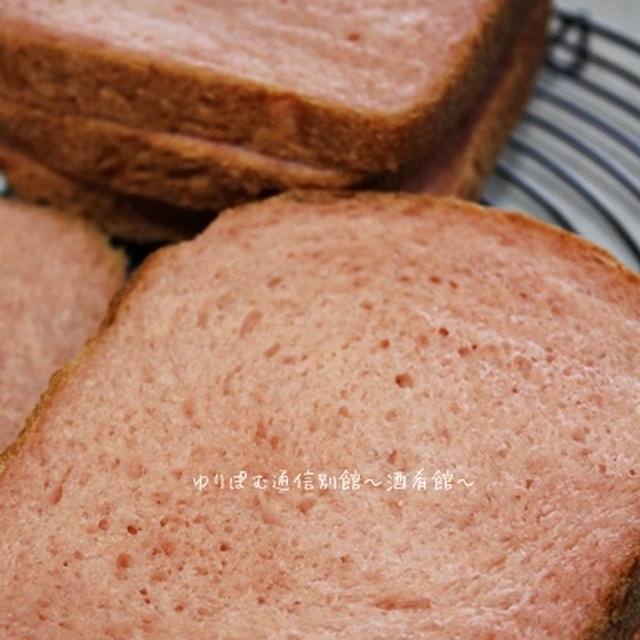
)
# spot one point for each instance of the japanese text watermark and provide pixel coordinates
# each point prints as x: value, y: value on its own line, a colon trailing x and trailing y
x: 346, y: 481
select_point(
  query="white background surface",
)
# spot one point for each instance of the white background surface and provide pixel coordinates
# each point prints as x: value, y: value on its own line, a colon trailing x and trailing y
x: 621, y: 14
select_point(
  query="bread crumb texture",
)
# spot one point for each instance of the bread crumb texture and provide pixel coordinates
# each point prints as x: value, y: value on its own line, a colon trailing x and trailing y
x: 318, y: 333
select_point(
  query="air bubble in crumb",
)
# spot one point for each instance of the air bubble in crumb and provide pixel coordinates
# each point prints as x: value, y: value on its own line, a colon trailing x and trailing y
x: 404, y: 380
x: 123, y: 561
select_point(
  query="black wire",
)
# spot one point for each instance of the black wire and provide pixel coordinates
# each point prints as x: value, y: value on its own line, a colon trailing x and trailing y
x: 543, y: 92
x: 600, y: 29
x: 577, y: 185
x: 596, y: 88
x: 593, y: 58
x: 535, y: 194
x: 587, y: 150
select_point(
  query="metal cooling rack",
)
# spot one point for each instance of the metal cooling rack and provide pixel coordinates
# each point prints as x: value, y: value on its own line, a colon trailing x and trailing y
x: 574, y: 159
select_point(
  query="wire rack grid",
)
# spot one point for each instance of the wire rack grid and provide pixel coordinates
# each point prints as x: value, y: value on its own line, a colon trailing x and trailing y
x: 574, y: 159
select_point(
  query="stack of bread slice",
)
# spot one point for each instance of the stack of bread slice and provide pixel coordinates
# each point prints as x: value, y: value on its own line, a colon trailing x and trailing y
x: 150, y: 117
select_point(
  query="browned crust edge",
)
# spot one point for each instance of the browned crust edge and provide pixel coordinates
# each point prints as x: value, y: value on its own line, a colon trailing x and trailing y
x: 469, y: 156
x: 619, y: 616
x: 179, y: 170
x: 117, y: 214
x: 616, y: 615
x: 503, y: 109
x: 143, y: 92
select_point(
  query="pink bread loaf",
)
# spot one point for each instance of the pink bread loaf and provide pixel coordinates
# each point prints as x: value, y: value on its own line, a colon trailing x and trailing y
x: 362, y: 87
x: 388, y: 336
x: 57, y: 277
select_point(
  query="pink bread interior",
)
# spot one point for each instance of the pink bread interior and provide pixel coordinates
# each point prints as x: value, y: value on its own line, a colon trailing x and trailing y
x: 377, y: 334
x: 57, y: 277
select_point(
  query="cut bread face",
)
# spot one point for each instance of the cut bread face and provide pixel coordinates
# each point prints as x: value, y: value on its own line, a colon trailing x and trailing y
x: 363, y: 87
x: 57, y: 278
x: 148, y: 187
x: 386, y: 335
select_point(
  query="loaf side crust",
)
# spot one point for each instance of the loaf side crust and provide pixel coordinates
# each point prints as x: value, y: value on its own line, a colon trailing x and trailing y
x: 119, y: 215
x: 177, y: 169
x: 619, y: 616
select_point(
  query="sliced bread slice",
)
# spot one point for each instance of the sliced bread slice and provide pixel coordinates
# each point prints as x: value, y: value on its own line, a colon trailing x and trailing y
x: 362, y: 87
x: 56, y: 280
x: 428, y: 412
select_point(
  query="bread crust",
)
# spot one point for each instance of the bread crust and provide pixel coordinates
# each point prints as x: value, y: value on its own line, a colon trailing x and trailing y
x: 179, y: 170
x: 123, y: 216
x: 619, y: 616
x: 616, y: 616
x: 162, y: 96
x: 469, y: 157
